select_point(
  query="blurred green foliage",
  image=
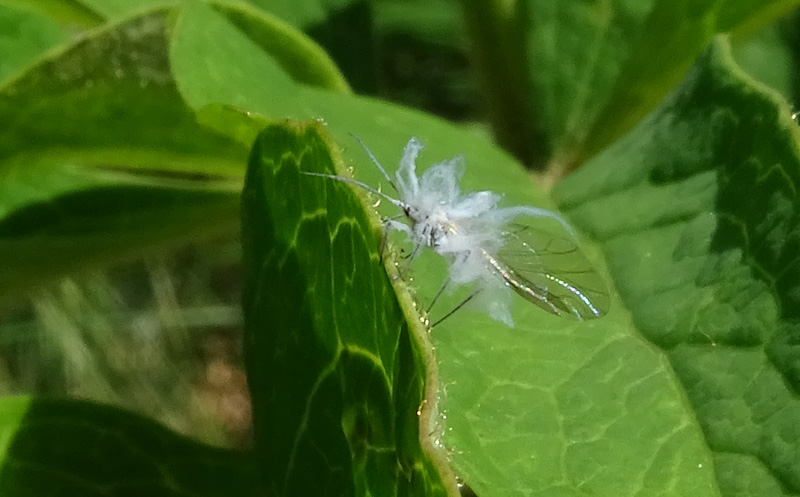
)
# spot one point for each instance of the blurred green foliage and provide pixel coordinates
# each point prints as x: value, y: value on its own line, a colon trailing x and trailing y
x: 127, y: 130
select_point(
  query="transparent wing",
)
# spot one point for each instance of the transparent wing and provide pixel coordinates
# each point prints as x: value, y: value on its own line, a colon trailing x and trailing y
x: 550, y: 272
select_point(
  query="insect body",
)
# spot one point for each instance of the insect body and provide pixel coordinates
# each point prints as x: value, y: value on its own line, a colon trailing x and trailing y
x: 484, y: 246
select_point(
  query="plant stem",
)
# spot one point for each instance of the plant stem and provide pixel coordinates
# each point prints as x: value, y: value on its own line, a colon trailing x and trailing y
x: 497, y: 39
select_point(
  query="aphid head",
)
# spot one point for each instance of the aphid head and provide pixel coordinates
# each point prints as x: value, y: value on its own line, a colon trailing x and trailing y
x: 415, y: 214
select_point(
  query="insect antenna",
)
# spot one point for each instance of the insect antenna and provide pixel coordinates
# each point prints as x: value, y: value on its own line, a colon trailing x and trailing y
x: 375, y: 161
x: 397, y: 203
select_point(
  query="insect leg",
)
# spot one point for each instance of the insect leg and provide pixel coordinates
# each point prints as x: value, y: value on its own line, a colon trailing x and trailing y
x: 439, y: 293
x: 387, y: 228
x: 392, y: 223
x: 409, y: 259
x: 461, y: 257
x: 456, y: 308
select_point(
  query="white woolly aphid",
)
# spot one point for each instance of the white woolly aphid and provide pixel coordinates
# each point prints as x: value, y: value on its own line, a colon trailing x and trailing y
x: 469, y: 230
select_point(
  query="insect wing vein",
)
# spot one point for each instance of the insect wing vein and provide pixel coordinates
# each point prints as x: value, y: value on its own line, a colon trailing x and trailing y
x: 525, y: 288
x: 552, y: 270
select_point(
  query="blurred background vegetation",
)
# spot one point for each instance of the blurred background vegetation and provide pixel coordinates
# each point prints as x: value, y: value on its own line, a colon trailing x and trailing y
x: 162, y: 336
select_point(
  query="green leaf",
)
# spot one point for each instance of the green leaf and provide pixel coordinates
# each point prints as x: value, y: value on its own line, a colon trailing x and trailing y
x: 491, y: 379
x: 335, y: 372
x: 342, y: 27
x: 279, y: 54
x: 115, y: 9
x: 68, y: 448
x: 70, y: 13
x: 101, y: 159
x: 697, y: 214
x: 597, y: 69
x: 553, y: 405
x: 301, y: 14
x: 23, y: 36
x: 248, y: 78
x: 243, y: 74
x: 301, y: 59
x: 768, y: 57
